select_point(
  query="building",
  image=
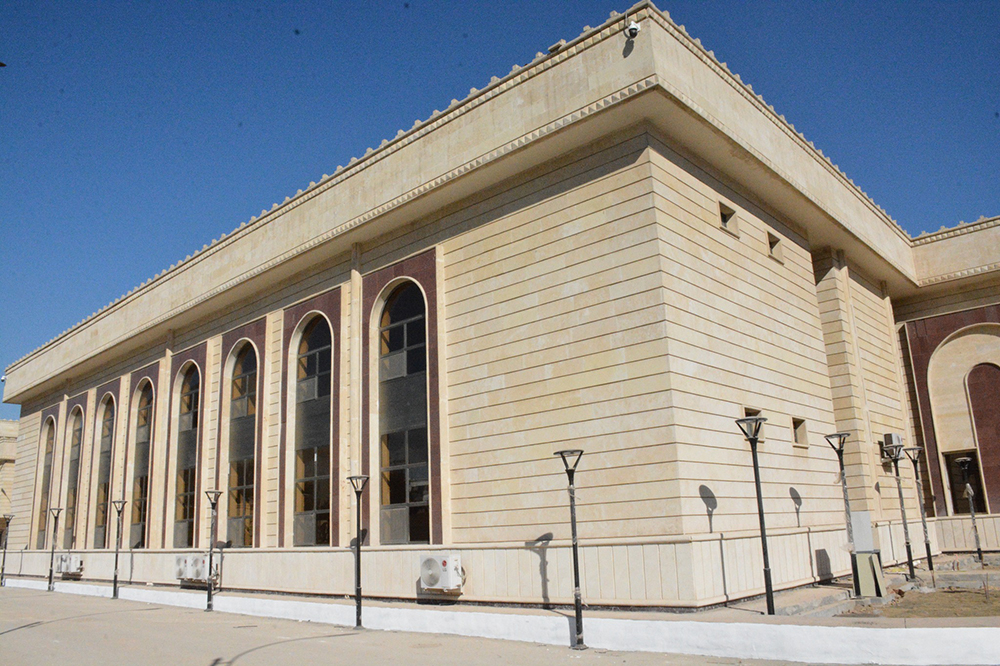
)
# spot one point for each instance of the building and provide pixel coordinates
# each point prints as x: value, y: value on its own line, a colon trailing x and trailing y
x: 618, y: 247
x: 8, y: 453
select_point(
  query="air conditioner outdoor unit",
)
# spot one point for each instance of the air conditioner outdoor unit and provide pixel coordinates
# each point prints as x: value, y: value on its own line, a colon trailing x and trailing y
x: 889, y: 439
x: 69, y: 565
x: 441, y: 572
x: 181, y: 567
x: 190, y: 568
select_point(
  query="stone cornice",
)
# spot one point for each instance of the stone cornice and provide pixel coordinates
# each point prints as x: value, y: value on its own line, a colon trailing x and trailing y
x: 958, y: 275
x: 961, y: 230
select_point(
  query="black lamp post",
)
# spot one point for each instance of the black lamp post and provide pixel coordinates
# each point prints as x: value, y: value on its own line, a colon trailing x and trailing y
x: 358, y: 482
x: 913, y: 453
x: 571, y: 458
x: 895, y: 452
x: 213, y: 499
x: 7, y: 519
x: 965, y: 464
x: 836, y: 442
x: 119, y: 507
x: 751, y: 430
x: 52, y: 558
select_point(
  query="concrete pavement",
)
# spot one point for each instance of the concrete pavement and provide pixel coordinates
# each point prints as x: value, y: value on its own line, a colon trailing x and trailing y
x: 40, y: 628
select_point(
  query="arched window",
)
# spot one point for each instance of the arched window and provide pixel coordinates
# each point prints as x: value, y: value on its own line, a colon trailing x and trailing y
x: 104, y: 475
x: 405, y: 516
x: 73, y: 483
x: 140, y: 474
x: 43, y: 505
x: 312, y: 436
x: 187, y: 457
x: 242, y: 442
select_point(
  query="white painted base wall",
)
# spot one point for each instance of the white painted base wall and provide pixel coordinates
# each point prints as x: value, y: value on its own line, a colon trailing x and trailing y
x: 773, y: 640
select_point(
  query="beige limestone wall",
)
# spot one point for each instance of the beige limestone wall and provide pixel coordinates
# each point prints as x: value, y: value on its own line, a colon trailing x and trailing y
x: 554, y: 331
x: 959, y: 252
x: 743, y: 330
x: 8, y: 455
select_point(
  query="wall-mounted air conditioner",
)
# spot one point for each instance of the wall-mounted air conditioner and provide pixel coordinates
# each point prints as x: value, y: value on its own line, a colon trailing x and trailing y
x: 890, y: 439
x: 441, y: 572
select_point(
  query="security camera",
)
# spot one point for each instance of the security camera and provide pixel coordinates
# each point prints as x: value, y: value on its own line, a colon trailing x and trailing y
x: 632, y: 30
x: 3, y: 380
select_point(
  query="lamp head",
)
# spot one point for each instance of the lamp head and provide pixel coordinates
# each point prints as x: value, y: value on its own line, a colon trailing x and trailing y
x: 213, y: 497
x: 893, y: 451
x: 964, y: 463
x: 913, y: 453
x: 751, y: 426
x: 359, y: 481
x: 570, y: 458
x: 7, y: 518
x: 119, y: 505
x: 837, y: 440
x: 55, y: 511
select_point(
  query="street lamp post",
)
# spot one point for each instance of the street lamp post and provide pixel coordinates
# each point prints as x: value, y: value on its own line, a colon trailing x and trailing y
x: 7, y: 519
x: 358, y: 482
x: 213, y: 500
x: 119, y: 507
x: 751, y: 430
x: 571, y: 458
x: 965, y: 464
x: 913, y: 453
x: 836, y: 442
x: 52, y: 558
x: 895, y: 452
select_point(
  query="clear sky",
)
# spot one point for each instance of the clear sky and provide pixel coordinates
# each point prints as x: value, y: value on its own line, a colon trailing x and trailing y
x: 133, y: 133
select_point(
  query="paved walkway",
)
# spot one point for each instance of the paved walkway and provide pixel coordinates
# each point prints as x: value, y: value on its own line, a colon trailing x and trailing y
x: 39, y: 628
x: 722, y: 635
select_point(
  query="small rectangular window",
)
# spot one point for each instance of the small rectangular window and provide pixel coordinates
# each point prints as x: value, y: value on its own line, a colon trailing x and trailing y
x: 799, y: 433
x: 728, y: 219
x: 774, y: 247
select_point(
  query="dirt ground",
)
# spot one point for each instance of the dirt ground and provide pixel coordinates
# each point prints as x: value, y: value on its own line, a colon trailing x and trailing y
x: 945, y: 603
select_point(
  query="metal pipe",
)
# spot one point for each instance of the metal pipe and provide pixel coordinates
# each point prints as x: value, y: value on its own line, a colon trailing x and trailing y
x: 913, y: 454
x: 52, y: 558
x: 768, y: 587
x: 902, y: 512
x: 7, y: 520
x: 119, y: 507
x: 357, y: 564
x: 577, y: 597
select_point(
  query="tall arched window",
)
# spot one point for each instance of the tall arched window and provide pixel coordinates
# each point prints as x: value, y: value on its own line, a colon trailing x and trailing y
x: 405, y: 515
x: 104, y: 475
x: 73, y: 483
x: 187, y: 457
x: 242, y: 442
x: 140, y: 474
x: 43, y: 504
x: 312, y: 436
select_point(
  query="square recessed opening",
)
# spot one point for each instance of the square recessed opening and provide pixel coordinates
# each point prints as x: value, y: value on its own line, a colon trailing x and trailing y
x: 774, y: 246
x: 799, y: 432
x: 727, y: 218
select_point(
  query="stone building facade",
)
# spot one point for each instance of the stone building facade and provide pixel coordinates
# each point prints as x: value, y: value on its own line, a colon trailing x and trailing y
x: 8, y: 453
x: 618, y: 247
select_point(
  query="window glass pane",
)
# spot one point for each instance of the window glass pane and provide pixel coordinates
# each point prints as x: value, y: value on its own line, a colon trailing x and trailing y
x: 323, y: 461
x: 392, y: 366
x: 394, y: 487
x: 419, y: 524
x: 323, y: 494
x: 415, y: 333
x: 392, y: 339
x: 393, y: 449
x: 416, y: 361
x: 417, y: 445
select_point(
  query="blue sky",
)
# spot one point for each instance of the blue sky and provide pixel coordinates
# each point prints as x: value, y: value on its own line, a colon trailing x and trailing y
x: 132, y: 133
